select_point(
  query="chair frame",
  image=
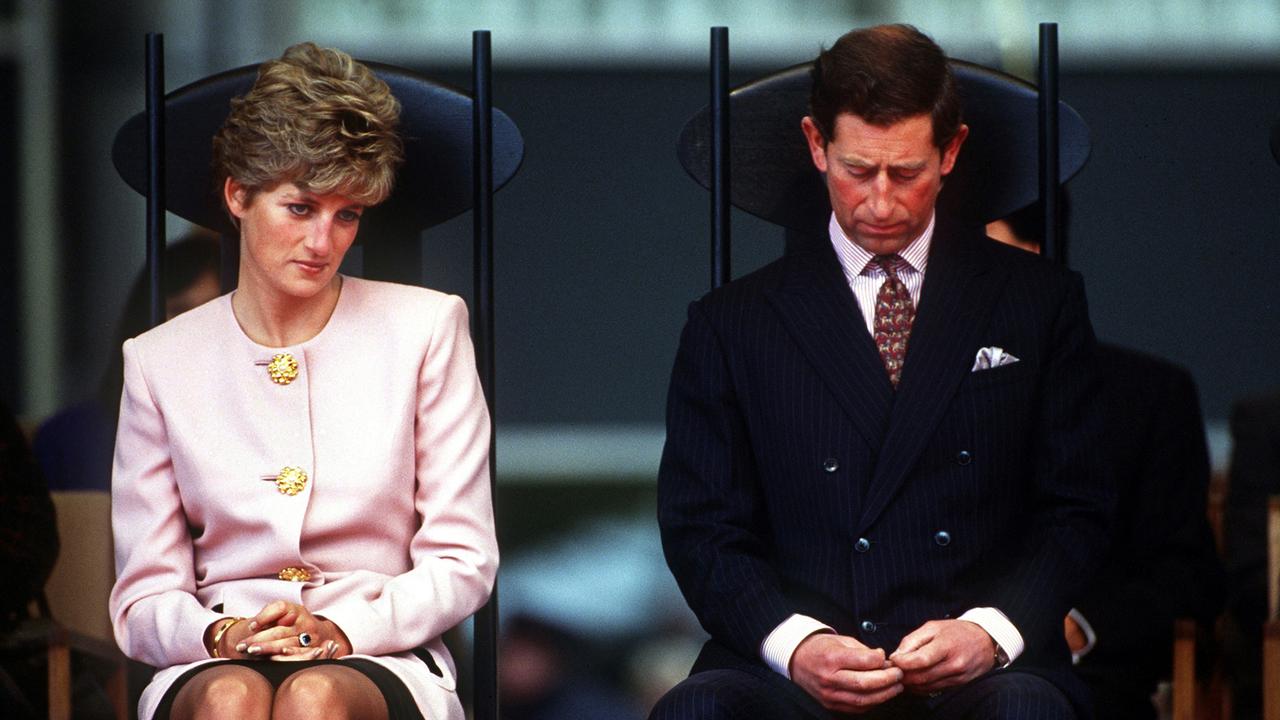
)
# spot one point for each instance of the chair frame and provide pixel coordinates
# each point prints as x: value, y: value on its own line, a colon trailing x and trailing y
x: 1271, y: 628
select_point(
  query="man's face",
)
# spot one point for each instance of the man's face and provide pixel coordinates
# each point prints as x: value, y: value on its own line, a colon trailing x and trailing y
x: 883, y: 181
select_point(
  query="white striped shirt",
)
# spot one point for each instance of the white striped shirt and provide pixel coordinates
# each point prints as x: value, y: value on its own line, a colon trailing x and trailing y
x: 865, y: 277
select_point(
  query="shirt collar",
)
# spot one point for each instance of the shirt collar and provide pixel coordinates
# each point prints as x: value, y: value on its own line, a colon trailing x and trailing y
x: 854, y: 258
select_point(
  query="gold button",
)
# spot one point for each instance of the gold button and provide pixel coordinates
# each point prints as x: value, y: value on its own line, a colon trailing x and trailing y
x: 294, y: 574
x: 291, y: 480
x: 282, y: 369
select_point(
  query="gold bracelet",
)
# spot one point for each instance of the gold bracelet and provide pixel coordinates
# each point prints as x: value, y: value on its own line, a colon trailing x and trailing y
x: 222, y: 630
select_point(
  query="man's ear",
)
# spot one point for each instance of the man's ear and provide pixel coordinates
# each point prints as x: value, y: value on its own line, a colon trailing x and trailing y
x: 236, y: 197
x: 952, y: 150
x: 817, y: 143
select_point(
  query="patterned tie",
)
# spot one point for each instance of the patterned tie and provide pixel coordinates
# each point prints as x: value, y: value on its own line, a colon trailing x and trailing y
x: 894, y: 315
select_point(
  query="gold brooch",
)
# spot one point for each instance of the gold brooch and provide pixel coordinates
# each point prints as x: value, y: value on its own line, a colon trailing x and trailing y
x: 294, y: 574
x: 282, y: 369
x: 291, y: 480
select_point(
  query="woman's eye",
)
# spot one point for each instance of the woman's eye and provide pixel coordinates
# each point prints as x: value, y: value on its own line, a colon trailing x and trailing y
x: 299, y: 209
x: 348, y: 215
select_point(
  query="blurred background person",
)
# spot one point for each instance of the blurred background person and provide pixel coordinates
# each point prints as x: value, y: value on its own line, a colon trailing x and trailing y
x: 74, y: 445
x: 1164, y: 563
x: 547, y: 673
x: 1255, y: 477
x: 28, y: 550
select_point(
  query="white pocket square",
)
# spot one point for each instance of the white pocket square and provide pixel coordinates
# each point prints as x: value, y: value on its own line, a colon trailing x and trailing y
x: 992, y: 357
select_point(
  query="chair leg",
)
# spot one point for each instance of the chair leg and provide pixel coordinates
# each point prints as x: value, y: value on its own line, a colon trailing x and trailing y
x: 118, y: 691
x: 1271, y: 671
x: 1184, y: 670
x: 59, y: 676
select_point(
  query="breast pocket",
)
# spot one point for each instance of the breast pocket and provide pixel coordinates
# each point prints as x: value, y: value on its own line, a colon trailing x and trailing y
x: 1013, y: 372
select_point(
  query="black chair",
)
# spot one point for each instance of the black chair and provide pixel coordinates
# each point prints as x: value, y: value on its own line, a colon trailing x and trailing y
x: 774, y: 179
x: 459, y: 151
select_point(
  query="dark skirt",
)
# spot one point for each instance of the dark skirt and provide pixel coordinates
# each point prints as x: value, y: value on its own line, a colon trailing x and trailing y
x: 400, y: 704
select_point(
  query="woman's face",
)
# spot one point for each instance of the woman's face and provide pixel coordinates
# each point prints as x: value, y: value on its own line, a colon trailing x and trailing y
x: 291, y: 241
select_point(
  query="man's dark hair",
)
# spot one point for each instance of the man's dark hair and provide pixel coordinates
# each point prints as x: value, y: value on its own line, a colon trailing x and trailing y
x: 885, y: 74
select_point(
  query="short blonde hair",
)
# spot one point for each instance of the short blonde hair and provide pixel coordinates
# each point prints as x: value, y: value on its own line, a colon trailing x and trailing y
x: 317, y: 118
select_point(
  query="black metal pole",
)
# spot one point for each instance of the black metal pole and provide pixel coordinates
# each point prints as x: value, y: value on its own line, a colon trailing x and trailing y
x: 155, y: 174
x: 1052, y: 247
x: 486, y: 620
x: 720, y: 249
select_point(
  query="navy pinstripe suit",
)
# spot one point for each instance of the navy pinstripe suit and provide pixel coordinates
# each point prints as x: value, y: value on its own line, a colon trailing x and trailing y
x: 787, y: 448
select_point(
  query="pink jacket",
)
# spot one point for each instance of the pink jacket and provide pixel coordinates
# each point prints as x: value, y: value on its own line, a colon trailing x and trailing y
x: 394, y: 525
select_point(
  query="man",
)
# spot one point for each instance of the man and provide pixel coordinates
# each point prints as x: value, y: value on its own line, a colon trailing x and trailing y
x: 1255, y: 476
x: 1164, y: 564
x: 872, y: 508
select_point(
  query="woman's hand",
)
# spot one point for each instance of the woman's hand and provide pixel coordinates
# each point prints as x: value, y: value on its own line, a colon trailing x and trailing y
x: 285, y: 631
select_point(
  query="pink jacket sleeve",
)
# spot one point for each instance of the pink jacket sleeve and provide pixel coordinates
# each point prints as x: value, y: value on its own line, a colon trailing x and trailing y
x: 154, y: 610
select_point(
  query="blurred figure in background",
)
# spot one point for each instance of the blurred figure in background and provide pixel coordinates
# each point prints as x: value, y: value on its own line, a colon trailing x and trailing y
x: 1163, y: 565
x: 1255, y: 475
x: 28, y: 549
x: 74, y: 445
x: 544, y: 676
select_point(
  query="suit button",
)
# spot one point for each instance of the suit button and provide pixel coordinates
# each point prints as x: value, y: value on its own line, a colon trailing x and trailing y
x: 868, y: 626
x: 964, y: 457
x: 294, y: 574
x: 862, y: 545
x: 283, y: 369
x: 831, y: 465
x: 942, y: 537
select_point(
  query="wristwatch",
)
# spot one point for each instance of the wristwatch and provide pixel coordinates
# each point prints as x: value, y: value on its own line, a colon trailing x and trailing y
x: 1002, y: 658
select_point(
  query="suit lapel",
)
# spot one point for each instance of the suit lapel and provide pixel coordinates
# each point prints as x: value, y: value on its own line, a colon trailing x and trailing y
x: 960, y: 289
x: 819, y: 311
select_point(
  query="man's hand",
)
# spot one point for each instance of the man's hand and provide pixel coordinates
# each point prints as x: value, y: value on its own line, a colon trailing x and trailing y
x: 843, y: 674
x: 1075, y: 635
x: 943, y: 653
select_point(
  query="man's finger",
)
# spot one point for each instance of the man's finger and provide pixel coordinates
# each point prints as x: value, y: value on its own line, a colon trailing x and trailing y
x: 835, y: 652
x: 849, y: 702
x: 937, y: 685
x: 935, y: 673
x: 852, y: 658
x: 867, y: 681
x: 915, y: 639
x: 925, y: 656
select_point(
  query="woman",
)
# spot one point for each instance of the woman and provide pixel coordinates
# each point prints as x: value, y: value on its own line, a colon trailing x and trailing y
x: 300, y: 489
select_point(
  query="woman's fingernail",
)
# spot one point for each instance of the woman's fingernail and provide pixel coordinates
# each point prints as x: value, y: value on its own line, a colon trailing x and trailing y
x: 241, y: 647
x: 253, y: 624
x: 254, y: 650
x: 316, y: 653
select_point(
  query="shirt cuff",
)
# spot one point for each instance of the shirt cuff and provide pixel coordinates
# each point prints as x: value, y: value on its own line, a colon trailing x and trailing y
x: 1090, y: 637
x: 781, y: 644
x: 997, y: 625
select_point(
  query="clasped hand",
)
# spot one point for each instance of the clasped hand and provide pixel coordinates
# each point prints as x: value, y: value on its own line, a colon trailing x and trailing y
x: 283, y: 631
x: 848, y: 677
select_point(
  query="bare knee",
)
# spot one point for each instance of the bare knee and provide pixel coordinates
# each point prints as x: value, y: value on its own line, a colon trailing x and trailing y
x: 224, y: 693
x: 329, y: 691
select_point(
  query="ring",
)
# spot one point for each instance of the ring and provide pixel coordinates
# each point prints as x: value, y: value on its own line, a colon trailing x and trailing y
x: 304, y: 639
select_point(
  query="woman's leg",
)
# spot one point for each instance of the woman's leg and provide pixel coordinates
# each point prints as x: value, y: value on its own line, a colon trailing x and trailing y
x: 226, y: 692
x: 329, y: 691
